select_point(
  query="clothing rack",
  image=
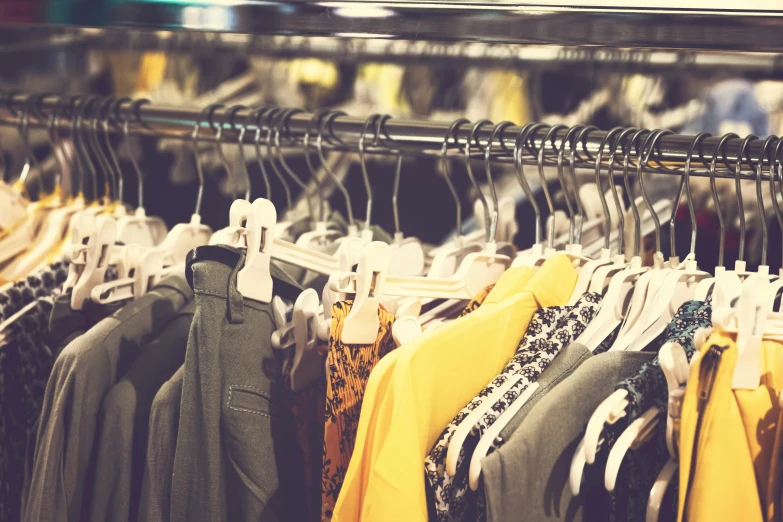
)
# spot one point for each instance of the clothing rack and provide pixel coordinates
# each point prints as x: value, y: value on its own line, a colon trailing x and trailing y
x: 410, y: 137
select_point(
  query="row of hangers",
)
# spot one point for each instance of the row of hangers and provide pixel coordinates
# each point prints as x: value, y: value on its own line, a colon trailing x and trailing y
x: 639, y: 299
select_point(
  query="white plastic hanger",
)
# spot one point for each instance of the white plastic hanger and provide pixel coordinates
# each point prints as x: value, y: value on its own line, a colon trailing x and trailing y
x: 322, y: 232
x: 326, y: 123
x: 89, y: 263
x: 406, y: 329
x: 21, y: 233
x: 466, y: 426
x: 141, y: 269
x: 604, y: 259
x: 705, y: 286
x: 679, y: 284
x: 449, y: 256
x: 138, y: 228
x: 308, y: 364
x: 675, y: 366
x: 539, y: 253
x: 254, y: 280
x: 650, y: 283
x: 603, y: 275
x: 621, y: 285
x: 641, y: 430
x: 55, y: 224
x: 407, y: 256
x: 485, y: 443
x: 184, y: 237
x: 612, y: 408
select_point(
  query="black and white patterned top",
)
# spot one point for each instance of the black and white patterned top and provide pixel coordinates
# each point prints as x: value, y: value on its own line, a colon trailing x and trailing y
x: 25, y: 364
x: 549, y: 331
x: 43, y: 283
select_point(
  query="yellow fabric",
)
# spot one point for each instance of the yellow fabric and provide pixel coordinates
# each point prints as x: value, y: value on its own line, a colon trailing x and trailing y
x: 434, y: 378
x: 733, y: 476
x: 365, y: 450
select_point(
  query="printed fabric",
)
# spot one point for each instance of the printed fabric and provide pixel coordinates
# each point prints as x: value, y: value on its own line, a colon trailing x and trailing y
x: 41, y: 284
x: 549, y: 331
x: 25, y: 365
x: 648, y: 389
x: 477, y: 301
x: 348, y: 370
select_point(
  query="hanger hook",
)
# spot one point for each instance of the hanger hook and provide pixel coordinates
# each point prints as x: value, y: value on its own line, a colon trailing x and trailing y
x: 738, y: 188
x: 257, y: 117
x: 113, y: 112
x: 38, y: 111
x: 327, y: 123
x: 580, y: 217
x: 218, y: 131
x: 550, y: 137
x: 686, y: 175
x: 197, y: 158
x: 775, y: 171
x: 316, y: 118
x: 498, y: 129
x: 136, y: 111
x: 110, y: 183
x: 231, y: 114
x: 363, y: 164
x: 271, y: 116
x: 81, y: 111
x: 638, y: 133
x: 520, y: 145
x: 81, y: 171
x: 52, y: 128
x: 282, y: 123
x: 720, y: 148
x: 453, y: 128
x: 567, y: 139
x: 760, y: 200
x: 471, y: 138
x: 30, y: 160
x: 644, y: 157
x: 599, y: 184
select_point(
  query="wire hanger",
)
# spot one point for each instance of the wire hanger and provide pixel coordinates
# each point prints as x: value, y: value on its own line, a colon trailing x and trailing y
x: 13, y: 201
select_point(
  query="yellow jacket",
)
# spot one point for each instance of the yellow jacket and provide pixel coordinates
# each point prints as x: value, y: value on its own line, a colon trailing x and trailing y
x: 728, y: 437
x: 432, y: 379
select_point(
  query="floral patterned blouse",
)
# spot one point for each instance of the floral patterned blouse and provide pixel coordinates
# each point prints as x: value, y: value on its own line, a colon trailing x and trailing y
x: 348, y: 369
x: 549, y: 331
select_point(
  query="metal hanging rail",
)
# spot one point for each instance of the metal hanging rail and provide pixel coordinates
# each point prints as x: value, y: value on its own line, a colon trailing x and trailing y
x: 647, y: 24
x: 423, y: 138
